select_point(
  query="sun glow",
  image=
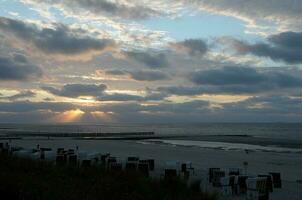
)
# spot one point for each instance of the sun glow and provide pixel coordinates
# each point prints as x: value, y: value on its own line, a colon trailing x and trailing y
x: 69, y: 116
x: 105, y: 116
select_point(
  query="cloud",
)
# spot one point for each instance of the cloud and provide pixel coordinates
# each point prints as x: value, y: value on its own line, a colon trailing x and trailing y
x: 194, y: 47
x: 122, y: 97
x: 126, y: 9
x: 150, y: 59
x: 227, y: 76
x: 257, y: 13
x: 148, y: 75
x: 77, y: 90
x: 284, y: 47
x: 116, y: 72
x: 239, y: 80
x: 20, y: 95
x: 140, y: 75
x: 27, y: 106
x: 17, y: 67
x: 57, y: 40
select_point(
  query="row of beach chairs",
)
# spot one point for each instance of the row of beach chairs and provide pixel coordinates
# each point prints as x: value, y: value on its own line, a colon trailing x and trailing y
x: 227, y: 182
x: 232, y: 182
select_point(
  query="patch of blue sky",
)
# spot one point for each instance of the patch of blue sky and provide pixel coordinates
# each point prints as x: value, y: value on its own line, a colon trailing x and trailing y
x: 16, y: 9
x: 201, y: 25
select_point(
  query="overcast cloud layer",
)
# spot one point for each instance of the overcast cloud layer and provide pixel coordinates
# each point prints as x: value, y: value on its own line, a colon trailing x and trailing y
x: 104, y: 61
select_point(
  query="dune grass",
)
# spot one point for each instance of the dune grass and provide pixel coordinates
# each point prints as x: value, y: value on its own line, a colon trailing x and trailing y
x: 26, y: 179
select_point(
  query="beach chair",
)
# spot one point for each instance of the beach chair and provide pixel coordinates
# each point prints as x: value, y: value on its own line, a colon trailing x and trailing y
x: 240, y: 186
x: 109, y: 160
x: 269, y: 182
x: 170, y: 174
x: 86, y: 163
x: 73, y: 160
x: 225, y: 184
x: 133, y: 159
x: 116, y: 166
x: 60, y: 150
x: 257, y: 189
x: 70, y: 151
x: 234, y: 171
x: 61, y: 160
x: 104, y: 158
x: 218, y: 174
x: 276, y: 179
x: 131, y: 166
x: 151, y: 164
x: 143, y: 168
x: 211, y: 173
x: 6, y: 148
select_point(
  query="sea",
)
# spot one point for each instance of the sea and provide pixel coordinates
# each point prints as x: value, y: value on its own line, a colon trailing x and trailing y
x: 279, y: 137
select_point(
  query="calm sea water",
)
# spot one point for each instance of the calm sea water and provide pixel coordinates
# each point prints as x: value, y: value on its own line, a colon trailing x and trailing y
x: 218, y: 134
x: 271, y: 130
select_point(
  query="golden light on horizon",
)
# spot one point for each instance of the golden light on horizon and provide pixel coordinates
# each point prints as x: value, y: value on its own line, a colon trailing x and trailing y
x: 105, y: 116
x: 69, y: 116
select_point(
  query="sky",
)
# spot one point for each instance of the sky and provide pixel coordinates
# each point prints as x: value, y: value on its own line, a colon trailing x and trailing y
x: 150, y: 61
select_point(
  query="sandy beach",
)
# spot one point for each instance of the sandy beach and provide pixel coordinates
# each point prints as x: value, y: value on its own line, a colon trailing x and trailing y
x: 288, y: 164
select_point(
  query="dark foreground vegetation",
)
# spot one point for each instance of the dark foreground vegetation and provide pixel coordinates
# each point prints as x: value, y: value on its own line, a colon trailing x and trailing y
x: 29, y: 180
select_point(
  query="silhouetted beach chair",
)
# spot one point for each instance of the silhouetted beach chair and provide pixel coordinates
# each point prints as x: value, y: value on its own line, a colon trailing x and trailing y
x: 170, y: 174
x: 60, y: 150
x: 276, y: 179
x: 226, y: 184
x: 110, y: 161
x: 217, y: 175
x: 211, y: 173
x: 86, y: 163
x: 116, y: 166
x: 234, y: 171
x: 133, y: 159
x: 269, y: 181
x: 104, y: 158
x: 240, y: 184
x: 72, y: 160
x: 143, y: 168
x: 151, y: 164
x: 61, y: 159
x: 131, y: 166
x: 257, y: 189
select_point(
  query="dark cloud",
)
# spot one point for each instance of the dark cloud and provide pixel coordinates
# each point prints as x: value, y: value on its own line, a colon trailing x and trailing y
x: 116, y: 72
x: 148, y: 75
x: 58, y: 40
x: 140, y: 75
x: 17, y: 67
x: 228, y: 76
x: 106, y: 7
x: 151, y: 96
x: 195, y: 47
x: 187, y: 107
x: 115, y: 9
x: 267, y: 104
x: 286, y: 47
x: 76, y: 90
x: 20, y: 95
x: 120, y: 97
x: 247, y: 76
x: 152, y: 60
x: 27, y: 106
x: 239, y: 80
